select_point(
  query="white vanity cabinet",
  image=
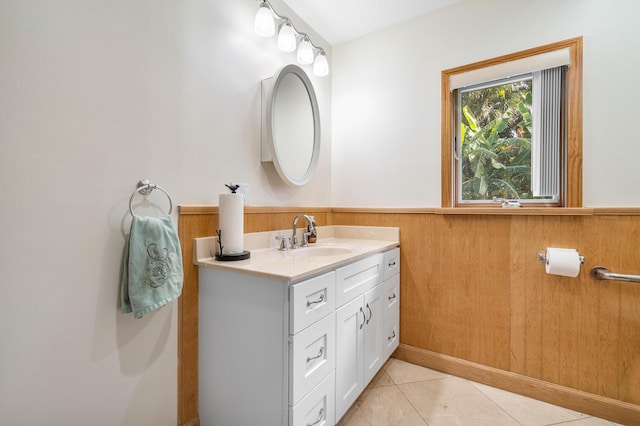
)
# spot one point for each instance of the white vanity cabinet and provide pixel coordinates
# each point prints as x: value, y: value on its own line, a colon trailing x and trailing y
x: 391, y: 328
x: 275, y: 352
x: 312, y: 350
x: 266, y: 349
x: 359, y: 322
x: 359, y: 346
x: 367, y: 324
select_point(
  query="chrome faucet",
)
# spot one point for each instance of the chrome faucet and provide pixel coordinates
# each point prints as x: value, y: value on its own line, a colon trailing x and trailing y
x: 305, y: 235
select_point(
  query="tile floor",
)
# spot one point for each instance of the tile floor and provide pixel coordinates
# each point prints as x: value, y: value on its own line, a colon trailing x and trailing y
x: 404, y: 394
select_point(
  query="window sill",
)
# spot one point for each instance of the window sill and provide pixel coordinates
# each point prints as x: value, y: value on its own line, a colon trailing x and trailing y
x: 517, y: 211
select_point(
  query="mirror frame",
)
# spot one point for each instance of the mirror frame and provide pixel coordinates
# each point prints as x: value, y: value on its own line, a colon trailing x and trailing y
x: 269, y: 150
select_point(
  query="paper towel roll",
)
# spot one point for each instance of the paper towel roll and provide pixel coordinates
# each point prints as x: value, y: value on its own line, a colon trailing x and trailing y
x: 232, y: 223
x: 564, y: 262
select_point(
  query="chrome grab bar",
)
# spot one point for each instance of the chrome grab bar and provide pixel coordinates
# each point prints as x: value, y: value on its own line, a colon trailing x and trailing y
x: 602, y: 273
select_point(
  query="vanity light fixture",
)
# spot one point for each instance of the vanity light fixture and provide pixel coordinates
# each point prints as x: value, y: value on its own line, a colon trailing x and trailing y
x: 288, y: 36
x: 321, y: 66
x: 305, y: 52
x: 264, y: 25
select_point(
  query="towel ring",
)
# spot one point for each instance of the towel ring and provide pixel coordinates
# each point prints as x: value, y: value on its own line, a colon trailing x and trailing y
x: 145, y: 188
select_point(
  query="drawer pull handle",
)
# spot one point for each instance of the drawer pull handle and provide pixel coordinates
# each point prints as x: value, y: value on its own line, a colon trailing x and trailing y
x: 393, y: 296
x: 313, y: 302
x: 370, y: 314
x: 364, y: 318
x: 392, y: 264
x: 318, y: 419
x: 393, y: 336
x: 320, y: 353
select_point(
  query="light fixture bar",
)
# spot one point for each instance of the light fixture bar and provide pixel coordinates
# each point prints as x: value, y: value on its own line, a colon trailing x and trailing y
x: 304, y: 37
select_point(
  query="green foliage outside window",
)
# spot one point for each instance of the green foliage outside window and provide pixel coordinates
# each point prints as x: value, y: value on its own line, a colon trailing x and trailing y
x: 495, y: 134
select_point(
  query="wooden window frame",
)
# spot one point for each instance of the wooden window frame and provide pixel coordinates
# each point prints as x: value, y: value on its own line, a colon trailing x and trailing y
x: 572, y: 196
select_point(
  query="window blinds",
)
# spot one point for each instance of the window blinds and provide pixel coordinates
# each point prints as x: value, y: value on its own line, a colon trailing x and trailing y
x: 545, y: 139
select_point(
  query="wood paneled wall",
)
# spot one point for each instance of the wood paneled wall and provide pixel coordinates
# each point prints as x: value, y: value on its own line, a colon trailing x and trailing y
x: 472, y: 289
x: 473, y: 293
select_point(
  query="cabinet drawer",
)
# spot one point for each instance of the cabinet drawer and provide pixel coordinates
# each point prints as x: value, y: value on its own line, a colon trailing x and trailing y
x: 312, y: 355
x: 391, y: 338
x: 311, y: 300
x: 354, y: 279
x: 318, y: 407
x: 392, y: 295
x: 391, y: 263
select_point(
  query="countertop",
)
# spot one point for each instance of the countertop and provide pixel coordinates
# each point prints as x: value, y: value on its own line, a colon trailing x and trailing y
x: 297, y: 264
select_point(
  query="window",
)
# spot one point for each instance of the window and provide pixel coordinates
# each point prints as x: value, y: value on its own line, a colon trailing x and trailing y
x: 509, y: 139
x: 512, y: 129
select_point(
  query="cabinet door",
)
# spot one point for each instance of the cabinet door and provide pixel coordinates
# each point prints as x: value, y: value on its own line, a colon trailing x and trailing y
x: 354, y: 279
x: 391, y: 263
x: 311, y: 300
x: 311, y: 357
x: 374, y: 308
x: 391, y: 337
x: 392, y: 299
x: 317, y: 408
x: 350, y: 321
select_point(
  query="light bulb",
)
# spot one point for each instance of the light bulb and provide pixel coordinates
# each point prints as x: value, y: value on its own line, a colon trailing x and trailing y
x: 287, y: 38
x: 305, y: 52
x: 321, y: 66
x: 264, y: 25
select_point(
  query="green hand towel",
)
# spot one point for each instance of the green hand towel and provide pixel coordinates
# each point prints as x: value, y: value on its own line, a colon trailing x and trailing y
x: 152, y: 275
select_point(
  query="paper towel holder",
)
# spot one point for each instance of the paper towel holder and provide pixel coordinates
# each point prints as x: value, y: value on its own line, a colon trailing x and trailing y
x: 228, y: 257
x: 542, y: 258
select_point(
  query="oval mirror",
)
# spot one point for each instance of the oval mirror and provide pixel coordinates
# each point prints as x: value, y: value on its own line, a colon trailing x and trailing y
x: 291, y: 125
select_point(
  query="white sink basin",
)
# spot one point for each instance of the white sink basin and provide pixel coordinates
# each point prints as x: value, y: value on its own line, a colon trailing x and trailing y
x: 322, y: 250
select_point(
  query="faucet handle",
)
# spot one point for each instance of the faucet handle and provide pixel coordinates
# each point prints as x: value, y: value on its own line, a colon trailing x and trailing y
x: 305, y: 239
x: 283, y: 242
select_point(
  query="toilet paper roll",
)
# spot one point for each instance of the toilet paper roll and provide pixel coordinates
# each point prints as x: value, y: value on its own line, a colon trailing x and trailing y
x: 564, y: 262
x: 232, y: 223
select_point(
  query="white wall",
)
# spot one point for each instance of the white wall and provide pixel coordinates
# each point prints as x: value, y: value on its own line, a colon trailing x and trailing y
x: 386, y: 95
x: 94, y: 96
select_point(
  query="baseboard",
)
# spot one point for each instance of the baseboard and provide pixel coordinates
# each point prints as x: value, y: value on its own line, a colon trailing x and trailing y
x: 573, y: 399
x: 193, y: 422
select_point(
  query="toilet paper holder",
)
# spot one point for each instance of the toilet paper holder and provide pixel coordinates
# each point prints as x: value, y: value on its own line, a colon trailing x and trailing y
x: 542, y: 258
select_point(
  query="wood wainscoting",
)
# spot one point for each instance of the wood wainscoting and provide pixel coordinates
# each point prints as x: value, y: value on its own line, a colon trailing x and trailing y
x: 476, y: 302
